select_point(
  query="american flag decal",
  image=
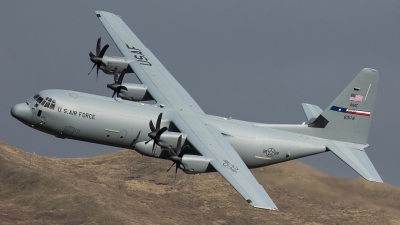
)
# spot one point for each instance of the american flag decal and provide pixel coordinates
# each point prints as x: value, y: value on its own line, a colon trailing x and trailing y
x: 356, y: 98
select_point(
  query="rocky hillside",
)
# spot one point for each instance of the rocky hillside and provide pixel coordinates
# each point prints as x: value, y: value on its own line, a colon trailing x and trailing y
x: 127, y: 188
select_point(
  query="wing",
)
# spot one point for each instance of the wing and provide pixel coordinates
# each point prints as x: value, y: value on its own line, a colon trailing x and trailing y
x: 165, y: 89
x: 210, y: 143
x: 162, y: 86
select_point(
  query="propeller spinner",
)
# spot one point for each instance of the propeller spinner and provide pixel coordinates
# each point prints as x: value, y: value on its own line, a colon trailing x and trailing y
x: 97, y: 59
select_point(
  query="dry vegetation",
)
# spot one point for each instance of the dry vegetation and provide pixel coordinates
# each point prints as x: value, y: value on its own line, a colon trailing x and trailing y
x: 127, y: 188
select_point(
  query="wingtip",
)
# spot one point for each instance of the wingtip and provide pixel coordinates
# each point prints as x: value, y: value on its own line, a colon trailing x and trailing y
x: 266, y: 207
x: 379, y: 180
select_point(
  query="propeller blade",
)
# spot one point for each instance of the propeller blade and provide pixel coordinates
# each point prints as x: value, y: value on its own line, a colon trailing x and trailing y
x: 178, y: 145
x: 171, y: 152
x: 154, y: 145
x: 114, y: 93
x: 178, y: 165
x: 98, y: 46
x: 147, y: 141
x: 152, y: 126
x: 161, y: 131
x: 158, y: 121
x: 182, y: 152
x: 119, y: 88
x: 135, y: 140
x: 98, y: 67
x: 115, y: 75
x: 170, y: 167
x: 91, y: 54
x: 103, y: 51
x: 176, y: 170
x: 121, y: 76
x: 92, y: 68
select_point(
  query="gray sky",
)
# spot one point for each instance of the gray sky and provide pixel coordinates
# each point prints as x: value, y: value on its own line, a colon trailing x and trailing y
x: 255, y: 61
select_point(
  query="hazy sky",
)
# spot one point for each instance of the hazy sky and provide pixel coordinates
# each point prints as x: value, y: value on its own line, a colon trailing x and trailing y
x: 252, y: 60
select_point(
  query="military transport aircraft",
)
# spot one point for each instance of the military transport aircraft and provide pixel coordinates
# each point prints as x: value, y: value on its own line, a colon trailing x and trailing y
x: 193, y: 140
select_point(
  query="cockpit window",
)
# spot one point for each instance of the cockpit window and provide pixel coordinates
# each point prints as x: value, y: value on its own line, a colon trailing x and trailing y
x: 48, y: 102
x: 39, y: 99
x: 53, y: 104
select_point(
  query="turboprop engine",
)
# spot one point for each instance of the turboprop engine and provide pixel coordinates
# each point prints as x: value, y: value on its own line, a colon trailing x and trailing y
x: 167, y: 140
x: 110, y: 62
x: 160, y: 139
x: 168, y: 145
x: 193, y: 164
x: 107, y: 63
x: 135, y: 92
x: 128, y: 91
x: 188, y: 163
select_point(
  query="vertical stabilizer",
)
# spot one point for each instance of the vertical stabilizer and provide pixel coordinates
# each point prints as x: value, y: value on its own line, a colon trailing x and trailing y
x: 348, y: 117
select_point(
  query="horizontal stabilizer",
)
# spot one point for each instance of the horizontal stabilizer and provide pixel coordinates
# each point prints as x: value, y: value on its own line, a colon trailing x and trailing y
x: 355, y: 156
x: 312, y: 111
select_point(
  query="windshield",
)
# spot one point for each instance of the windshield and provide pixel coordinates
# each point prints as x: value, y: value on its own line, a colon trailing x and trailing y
x: 48, y: 102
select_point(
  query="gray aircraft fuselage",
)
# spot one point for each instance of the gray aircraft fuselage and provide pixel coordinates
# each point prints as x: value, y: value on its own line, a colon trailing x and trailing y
x: 117, y: 122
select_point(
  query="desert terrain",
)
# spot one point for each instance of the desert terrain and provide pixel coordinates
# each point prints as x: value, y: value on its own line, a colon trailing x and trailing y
x: 127, y: 188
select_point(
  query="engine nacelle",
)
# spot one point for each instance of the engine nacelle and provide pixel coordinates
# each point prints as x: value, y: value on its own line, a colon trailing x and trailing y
x: 147, y: 150
x: 170, y: 139
x: 167, y: 139
x: 135, y: 92
x: 111, y: 62
x: 196, y: 164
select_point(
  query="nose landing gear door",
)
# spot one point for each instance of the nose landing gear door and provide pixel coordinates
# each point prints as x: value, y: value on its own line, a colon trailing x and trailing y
x: 39, y: 117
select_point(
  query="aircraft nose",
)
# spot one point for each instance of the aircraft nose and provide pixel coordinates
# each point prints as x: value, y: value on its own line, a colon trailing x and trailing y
x: 21, y: 112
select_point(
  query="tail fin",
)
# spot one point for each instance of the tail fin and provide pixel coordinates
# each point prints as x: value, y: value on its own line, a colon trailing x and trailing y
x: 348, y: 117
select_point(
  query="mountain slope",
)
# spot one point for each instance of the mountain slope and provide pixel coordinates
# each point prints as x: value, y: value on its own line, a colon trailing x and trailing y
x: 127, y: 188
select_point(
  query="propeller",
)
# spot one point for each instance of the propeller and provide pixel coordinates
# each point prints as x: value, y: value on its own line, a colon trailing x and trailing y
x: 176, y: 157
x: 97, y: 59
x: 133, y: 144
x: 117, y: 87
x: 156, y: 131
